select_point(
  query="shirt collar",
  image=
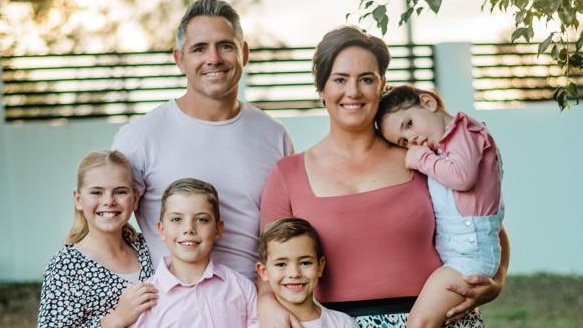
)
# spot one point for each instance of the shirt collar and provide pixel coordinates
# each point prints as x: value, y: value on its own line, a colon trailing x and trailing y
x: 167, y: 280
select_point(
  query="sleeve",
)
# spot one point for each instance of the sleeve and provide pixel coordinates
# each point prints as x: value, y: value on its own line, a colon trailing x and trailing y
x: 288, y: 145
x: 59, y: 306
x: 127, y: 142
x: 458, y: 167
x: 251, y: 295
x: 275, y: 201
x: 93, y: 323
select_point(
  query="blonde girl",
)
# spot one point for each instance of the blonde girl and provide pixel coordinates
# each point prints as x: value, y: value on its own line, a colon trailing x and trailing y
x: 95, y: 279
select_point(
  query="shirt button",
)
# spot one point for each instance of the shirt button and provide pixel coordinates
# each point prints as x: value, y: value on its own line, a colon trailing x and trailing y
x: 467, y: 223
x: 471, y: 240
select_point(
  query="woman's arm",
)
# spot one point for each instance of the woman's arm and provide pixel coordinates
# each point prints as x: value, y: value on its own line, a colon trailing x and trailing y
x: 275, y: 204
x: 481, y: 289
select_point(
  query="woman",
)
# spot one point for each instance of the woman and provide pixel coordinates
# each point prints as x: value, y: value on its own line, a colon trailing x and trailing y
x: 374, y: 216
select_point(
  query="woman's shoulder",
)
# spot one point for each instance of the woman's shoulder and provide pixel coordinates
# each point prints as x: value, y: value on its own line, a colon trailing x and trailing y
x: 291, y: 162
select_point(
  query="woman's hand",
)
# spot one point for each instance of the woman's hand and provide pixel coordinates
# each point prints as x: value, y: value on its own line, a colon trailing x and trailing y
x: 134, y: 300
x: 480, y: 290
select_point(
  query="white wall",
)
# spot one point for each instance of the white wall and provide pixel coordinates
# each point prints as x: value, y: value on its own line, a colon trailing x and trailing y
x: 542, y: 185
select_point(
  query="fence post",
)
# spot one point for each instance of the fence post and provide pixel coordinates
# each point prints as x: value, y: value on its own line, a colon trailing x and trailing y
x: 6, y: 234
x: 453, y: 75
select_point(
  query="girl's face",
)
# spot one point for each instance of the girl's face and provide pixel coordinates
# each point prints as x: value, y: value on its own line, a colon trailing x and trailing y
x: 189, y: 229
x: 351, y: 93
x: 292, y: 270
x: 106, y: 198
x: 421, y: 125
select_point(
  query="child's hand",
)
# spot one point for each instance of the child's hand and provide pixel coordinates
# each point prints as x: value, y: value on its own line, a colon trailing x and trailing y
x: 134, y: 300
x: 412, y: 156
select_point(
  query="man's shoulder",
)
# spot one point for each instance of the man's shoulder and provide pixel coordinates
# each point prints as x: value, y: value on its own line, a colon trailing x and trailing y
x: 254, y: 113
x: 141, y: 127
x: 155, y: 116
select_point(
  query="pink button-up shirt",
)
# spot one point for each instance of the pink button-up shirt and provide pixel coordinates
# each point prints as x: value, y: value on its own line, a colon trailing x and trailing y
x: 221, y: 298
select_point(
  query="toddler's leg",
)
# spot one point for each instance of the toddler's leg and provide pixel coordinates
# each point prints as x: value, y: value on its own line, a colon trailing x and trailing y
x: 434, y: 300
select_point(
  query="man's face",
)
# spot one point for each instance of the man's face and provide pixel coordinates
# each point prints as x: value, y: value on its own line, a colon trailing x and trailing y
x: 212, y: 57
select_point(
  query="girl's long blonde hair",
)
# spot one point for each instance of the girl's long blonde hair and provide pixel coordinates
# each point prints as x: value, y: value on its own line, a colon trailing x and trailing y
x: 93, y: 160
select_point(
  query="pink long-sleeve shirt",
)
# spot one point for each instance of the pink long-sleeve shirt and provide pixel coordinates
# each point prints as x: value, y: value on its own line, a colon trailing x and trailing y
x: 466, y: 162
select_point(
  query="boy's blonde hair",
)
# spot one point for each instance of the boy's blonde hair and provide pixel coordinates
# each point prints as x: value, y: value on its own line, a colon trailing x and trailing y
x: 189, y: 186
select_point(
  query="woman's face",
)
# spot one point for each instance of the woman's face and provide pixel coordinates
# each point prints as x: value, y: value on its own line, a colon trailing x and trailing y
x: 351, y: 93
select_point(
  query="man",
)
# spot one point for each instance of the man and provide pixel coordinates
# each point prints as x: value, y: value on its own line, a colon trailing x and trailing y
x: 207, y: 134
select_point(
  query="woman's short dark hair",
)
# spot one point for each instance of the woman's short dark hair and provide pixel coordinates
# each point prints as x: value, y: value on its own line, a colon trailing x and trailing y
x: 337, y: 40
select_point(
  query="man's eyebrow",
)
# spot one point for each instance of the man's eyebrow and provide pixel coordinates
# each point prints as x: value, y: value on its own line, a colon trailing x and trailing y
x: 197, y: 45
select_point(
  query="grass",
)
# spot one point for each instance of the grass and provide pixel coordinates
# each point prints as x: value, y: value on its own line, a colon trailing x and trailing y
x: 19, y: 304
x: 537, y: 301
x: 533, y: 301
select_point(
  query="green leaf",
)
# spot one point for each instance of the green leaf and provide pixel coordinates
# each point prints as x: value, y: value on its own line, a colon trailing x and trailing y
x: 560, y: 96
x: 521, y: 4
x: 379, y: 12
x: 555, y: 52
x: 434, y: 5
x: 576, y: 60
x: 384, y: 25
x: 520, y: 32
x: 579, y: 42
x: 405, y: 16
x: 563, y: 54
x: 361, y: 18
x: 528, y: 19
x: 368, y: 4
x: 543, y: 46
x: 572, y: 90
x: 519, y: 17
x: 380, y: 16
x: 565, y: 15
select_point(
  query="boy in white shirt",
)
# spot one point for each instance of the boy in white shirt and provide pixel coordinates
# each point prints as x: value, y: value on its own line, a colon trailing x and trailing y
x: 292, y: 261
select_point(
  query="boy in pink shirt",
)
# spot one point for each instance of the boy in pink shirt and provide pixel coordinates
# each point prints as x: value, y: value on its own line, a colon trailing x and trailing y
x: 192, y: 290
x: 292, y: 261
x: 461, y: 159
